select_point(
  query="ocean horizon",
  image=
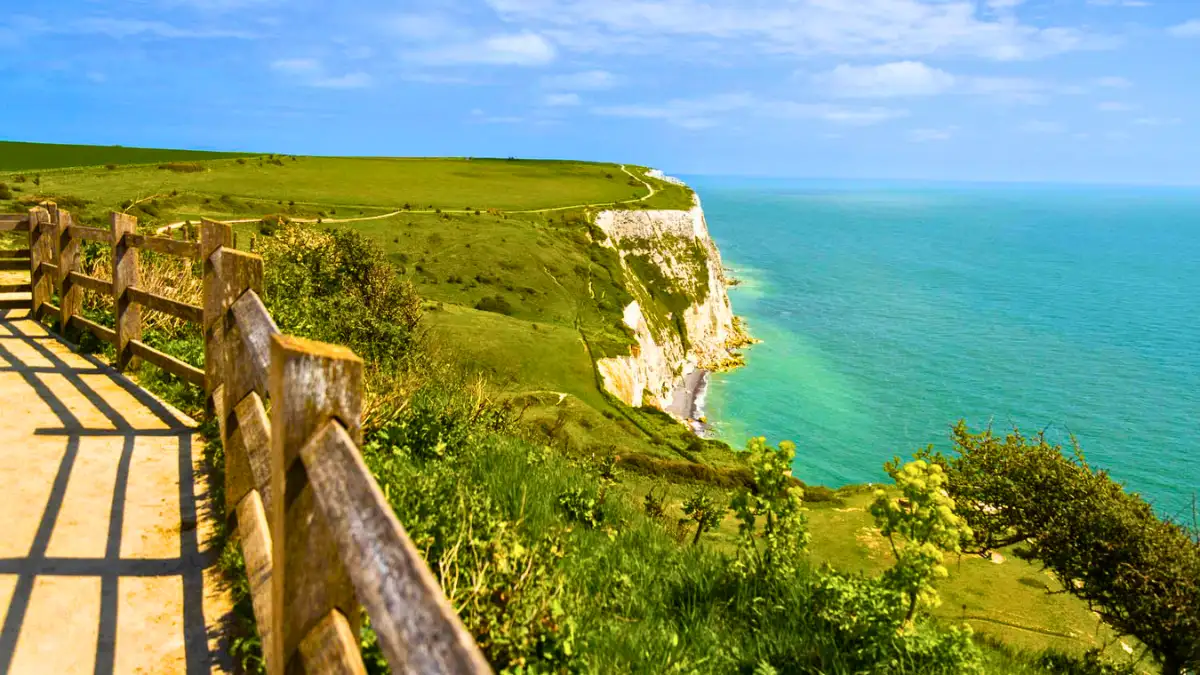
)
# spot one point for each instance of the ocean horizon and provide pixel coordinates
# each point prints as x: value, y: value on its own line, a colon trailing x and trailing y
x: 888, y: 310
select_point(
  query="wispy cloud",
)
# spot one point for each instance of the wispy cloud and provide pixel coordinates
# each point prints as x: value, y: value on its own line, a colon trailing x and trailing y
x: 1115, y: 106
x: 562, y: 100
x: 1113, y: 82
x: 1157, y: 121
x: 590, y: 80
x: 128, y: 28
x: 515, y: 49
x: 1120, y: 3
x: 703, y: 113
x: 889, y: 80
x: 1187, y: 29
x: 931, y: 135
x: 875, y: 28
x: 311, y: 72
x: 1043, y: 127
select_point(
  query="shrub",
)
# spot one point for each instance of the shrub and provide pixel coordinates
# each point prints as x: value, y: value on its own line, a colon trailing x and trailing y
x: 271, y: 224
x: 496, y: 303
x: 5, y: 191
x: 338, y: 287
x: 110, y: 167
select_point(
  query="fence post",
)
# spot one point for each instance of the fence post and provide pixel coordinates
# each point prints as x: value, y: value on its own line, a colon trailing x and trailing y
x: 40, y: 251
x: 70, y: 296
x: 312, y: 595
x: 213, y: 237
x: 239, y: 273
x: 125, y: 274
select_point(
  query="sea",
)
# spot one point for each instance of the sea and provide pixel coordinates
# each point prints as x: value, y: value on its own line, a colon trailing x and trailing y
x: 888, y: 311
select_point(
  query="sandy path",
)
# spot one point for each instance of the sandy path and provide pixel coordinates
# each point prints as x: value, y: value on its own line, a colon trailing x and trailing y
x: 104, y: 562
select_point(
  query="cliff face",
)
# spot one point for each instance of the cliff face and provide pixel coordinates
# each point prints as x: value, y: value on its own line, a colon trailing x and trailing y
x: 681, y: 316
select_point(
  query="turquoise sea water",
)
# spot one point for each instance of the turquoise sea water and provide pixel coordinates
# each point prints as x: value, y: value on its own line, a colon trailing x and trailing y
x: 890, y: 311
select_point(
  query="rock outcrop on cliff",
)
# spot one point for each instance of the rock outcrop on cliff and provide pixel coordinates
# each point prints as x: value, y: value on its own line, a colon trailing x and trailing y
x: 681, y: 316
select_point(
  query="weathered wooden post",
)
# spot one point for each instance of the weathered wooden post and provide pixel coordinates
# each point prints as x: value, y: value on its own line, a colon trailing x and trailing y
x: 70, y: 296
x: 213, y: 237
x: 313, y: 600
x: 41, y: 251
x: 125, y: 274
x: 240, y: 371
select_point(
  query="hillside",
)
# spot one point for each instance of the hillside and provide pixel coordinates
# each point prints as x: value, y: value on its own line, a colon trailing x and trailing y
x: 523, y: 282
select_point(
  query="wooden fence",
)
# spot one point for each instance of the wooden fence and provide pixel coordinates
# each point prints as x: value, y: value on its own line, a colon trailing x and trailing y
x: 321, y: 543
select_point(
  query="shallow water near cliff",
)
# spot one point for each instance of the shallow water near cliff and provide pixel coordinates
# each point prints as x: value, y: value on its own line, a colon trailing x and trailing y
x: 890, y: 311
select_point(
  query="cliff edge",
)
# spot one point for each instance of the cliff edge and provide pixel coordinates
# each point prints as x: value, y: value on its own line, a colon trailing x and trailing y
x: 681, y: 317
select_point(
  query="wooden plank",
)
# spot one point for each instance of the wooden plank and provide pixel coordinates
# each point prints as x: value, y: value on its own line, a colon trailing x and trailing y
x: 91, y: 283
x: 21, y: 225
x: 255, y: 537
x: 331, y: 647
x: 164, y: 245
x: 14, y: 218
x: 14, y: 265
x: 41, y: 251
x: 213, y: 237
x: 101, y: 332
x: 15, y: 303
x: 51, y: 268
x: 255, y: 328
x: 66, y: 252
x: 91, y: 234
x: 172, y: 365
x: 158, y: 303
x: 311, y: 383
x: 15, y: 254
x: 125, y: 275
x: 248, y: 452
x: 47, y: 309
x: 15, y: 288
x: 417, y: 628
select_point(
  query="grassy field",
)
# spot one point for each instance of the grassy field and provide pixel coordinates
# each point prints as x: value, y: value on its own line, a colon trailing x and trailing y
x: 17, y: 156
x: 555, y: 303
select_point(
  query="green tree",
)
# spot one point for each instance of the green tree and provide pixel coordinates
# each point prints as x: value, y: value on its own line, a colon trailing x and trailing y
x: 776, y: 503
x: 924, y: 517
x: 1140, y: 573
x: 703, y: 509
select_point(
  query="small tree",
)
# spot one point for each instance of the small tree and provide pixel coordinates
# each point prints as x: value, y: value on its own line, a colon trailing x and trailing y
x: 775, y: 502
x: 924, y: 516
x: 703, y: 509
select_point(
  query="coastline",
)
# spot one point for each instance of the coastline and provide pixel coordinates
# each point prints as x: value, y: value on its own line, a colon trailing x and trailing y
x: 687, y: 401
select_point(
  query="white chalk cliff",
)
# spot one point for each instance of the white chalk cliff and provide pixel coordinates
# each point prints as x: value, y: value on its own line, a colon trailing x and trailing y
x: 678, y: 244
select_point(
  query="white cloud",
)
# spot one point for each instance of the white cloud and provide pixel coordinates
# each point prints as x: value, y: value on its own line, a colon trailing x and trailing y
x: 897, y: 79
x: 1188, y: 29
x: 931, y: 135
x: 1157, y: 121
x: 297, y: 66
x: 515, y: 49
x: 311, y: 72
x: 1042, y: 127
x: 1113, y: 82
x: 590, y: 80
x: 347, y: 81
x: 562, y: 100
x: 906, y: 28
x: 127, y: 28
x: 703, y: 113
x: 1120, y: 3
x: 1013, y: 89
x: 422, y: 26
x: 482, y: 117
x: 1115, y: 106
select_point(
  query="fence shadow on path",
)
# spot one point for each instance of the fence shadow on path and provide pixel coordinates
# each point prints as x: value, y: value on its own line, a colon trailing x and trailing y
x: 20, y: 336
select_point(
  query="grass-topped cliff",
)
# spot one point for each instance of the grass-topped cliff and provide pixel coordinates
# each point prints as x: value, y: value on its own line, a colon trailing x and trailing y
x: 560, y: 521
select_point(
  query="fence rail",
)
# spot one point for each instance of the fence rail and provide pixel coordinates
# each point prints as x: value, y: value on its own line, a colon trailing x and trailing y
x: 320, y: 541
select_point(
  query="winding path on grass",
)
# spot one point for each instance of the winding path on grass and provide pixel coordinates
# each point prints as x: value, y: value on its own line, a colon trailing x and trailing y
x: 106, y: 563
x: 651, y: 191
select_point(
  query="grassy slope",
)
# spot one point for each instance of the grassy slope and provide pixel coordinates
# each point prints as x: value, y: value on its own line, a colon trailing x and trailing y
x: 17, y: 156
x: 538, y: 353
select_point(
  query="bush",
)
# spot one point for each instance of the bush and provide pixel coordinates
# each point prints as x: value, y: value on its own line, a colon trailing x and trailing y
x: 5, y: 191
x: 271, y: 224
x: 338, y: 287
x: 495, y: 303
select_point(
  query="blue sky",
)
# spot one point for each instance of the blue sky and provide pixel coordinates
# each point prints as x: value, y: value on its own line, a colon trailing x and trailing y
x: 1038, y: 90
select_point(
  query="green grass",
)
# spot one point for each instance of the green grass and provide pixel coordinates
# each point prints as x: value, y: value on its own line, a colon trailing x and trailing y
x: 18, y: 156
